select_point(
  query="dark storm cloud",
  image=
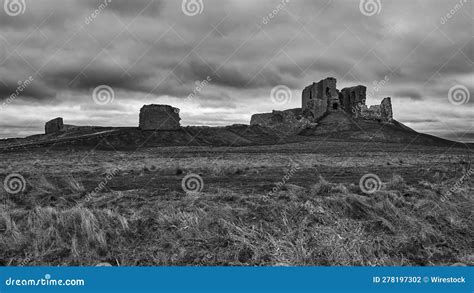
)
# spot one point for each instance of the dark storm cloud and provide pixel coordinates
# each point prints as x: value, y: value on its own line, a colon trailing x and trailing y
x: 238, y: 76
x: 150, y: 51
x: 407, y: 93
x: 151, y: 8
x: 28, y: 88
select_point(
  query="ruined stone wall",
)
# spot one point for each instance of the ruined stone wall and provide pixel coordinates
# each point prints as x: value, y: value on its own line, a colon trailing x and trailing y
x: 53, y: 126
x: 352, y: 98
x: 320, y: 98
x: 286, y: 122
x: 159, y: 117
x: 386, y: 109
x: 382, y: 112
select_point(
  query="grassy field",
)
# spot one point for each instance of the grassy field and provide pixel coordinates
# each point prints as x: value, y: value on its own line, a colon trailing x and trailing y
x: 283, y: 205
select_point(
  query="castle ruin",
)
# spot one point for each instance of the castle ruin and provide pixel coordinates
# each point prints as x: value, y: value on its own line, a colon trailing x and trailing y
x: 159, y: 117
x: 53, y: 126
x: 322, y: 98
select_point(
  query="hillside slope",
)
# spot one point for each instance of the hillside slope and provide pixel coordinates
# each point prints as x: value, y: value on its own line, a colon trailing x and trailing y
x: 338, y: 126
x: 341, y: 126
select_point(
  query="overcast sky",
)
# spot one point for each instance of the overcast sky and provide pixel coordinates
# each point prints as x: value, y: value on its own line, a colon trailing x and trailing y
x: 151, y: 51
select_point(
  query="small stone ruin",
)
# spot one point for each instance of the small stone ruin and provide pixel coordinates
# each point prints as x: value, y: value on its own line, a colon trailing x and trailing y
x: 53, y: 126
x: 159, y: 117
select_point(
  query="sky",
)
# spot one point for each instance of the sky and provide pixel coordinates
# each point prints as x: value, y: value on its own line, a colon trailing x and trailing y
x: 220, y: 61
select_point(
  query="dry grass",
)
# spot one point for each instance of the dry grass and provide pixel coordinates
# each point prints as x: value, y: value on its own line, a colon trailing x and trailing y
x: 319, y: 217
x: 324, y: 224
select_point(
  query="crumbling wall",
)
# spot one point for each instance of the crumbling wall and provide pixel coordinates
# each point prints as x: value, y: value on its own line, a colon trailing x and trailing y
x: 386, y: 109
x: 53, y: 126
x: 320, y: 98
x: 159, y: 117
x: 287, y: 122
x: 352, y: 98
x: 382, y: 112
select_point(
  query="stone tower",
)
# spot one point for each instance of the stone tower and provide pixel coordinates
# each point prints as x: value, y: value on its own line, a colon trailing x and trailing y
x: 159, y: 117
x: 321, y: 98
x: 352, y: 98
x: 53, y: 126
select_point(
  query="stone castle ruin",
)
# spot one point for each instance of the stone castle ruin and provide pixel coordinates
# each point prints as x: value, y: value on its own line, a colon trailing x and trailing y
x: 318, y: 100
x: 53, y: 126
x: 152, y: 117
x: 322, y: 98
x: 159, y: 117
x: 57, y: 125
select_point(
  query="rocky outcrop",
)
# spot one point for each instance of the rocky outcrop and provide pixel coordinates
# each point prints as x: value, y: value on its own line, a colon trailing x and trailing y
x: 286, y: 122
x: 159, y: 117
x: 54, y: 126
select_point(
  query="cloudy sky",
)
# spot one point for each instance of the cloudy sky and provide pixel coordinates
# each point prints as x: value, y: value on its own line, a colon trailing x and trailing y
x: 55, y: 53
